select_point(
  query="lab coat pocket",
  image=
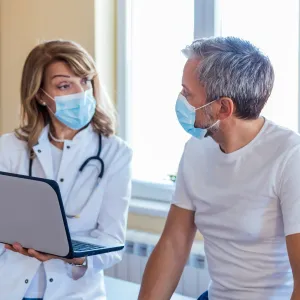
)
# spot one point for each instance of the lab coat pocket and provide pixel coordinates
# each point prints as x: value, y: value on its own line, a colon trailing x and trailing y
x: 64, y: 287
x: 89, y: 287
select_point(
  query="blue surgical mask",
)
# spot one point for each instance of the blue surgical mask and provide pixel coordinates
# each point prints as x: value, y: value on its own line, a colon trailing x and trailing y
x: 186, y: 115
x: 75, y: 110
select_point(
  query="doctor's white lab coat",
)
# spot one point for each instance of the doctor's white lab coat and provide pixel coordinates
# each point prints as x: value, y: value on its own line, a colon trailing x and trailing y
x: 104, y: 216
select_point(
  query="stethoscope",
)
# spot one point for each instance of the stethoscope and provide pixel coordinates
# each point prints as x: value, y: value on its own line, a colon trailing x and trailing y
x: 96, y: 157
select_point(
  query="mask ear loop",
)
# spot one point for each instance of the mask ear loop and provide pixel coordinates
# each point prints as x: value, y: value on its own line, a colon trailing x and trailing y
x: 206, y: 104
x: 218, y: 121
x: 214, y: 124
x: 45, y: 102
x: 51, y: 135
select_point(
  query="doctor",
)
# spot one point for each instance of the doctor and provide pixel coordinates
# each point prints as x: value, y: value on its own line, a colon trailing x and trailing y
x: 63, y: 124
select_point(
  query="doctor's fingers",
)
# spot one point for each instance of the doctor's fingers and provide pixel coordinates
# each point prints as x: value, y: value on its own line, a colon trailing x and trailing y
x: 18, y: 248
x: 31, y: 253
x: 9, y: 247
x: 40, y: 256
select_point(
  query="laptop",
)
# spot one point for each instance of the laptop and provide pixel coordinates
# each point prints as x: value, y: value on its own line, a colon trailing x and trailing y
x: 32, y: 214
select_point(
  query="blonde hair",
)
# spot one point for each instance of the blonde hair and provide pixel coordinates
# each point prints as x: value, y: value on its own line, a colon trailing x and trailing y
x: 34, y: 116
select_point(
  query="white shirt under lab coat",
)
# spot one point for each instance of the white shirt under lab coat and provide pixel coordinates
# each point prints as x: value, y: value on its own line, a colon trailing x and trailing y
x: 103, y: 217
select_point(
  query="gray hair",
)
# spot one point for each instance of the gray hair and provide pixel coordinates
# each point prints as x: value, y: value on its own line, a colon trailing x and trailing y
x: 234, y: 68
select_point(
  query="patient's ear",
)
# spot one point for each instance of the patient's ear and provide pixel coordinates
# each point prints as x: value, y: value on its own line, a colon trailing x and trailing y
x: 226, y: 108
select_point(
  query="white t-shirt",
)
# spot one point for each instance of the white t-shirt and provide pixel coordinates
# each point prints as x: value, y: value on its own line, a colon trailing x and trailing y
x: 38, y: 284
x: 245, y: 203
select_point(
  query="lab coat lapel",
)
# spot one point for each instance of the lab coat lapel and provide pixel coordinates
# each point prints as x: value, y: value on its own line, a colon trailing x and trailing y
x: 43, y: 154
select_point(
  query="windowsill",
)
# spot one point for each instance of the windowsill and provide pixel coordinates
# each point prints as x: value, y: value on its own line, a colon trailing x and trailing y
x: 159, y: 211
x: 150, y: 208
x: 151, y: 198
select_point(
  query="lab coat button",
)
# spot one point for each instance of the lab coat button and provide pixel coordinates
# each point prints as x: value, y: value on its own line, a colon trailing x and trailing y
x: 39, y: 151
x: 26, y: 281
x: 51, y: 279
x: 61, y: 180
x: 68, y: 147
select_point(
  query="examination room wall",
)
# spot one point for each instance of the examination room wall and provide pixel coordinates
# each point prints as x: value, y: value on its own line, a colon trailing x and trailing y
x: 24, y: 23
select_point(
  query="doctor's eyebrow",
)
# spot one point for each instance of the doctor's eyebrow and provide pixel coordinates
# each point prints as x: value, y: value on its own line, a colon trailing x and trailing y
x: 60, y: 75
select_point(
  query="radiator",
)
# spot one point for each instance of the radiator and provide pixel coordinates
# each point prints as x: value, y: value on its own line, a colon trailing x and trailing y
x: 139, y: 245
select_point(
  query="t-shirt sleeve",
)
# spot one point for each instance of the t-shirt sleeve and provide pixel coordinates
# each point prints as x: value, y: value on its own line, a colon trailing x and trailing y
x: 289, y: 193
x: 181, y: 196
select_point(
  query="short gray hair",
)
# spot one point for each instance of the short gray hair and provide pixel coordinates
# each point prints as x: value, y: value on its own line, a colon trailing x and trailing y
x: 234, y: 68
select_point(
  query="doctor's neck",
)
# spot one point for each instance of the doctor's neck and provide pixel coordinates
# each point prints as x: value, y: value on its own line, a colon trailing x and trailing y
x: 58, y: 133
x: 237, y: 133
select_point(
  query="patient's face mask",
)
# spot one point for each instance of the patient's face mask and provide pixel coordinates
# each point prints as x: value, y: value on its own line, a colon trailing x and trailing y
x: 186, y: 115
x: 75, y: 110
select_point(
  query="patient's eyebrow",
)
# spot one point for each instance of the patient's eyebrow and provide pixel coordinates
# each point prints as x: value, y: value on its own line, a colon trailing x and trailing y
x: 185, y: 87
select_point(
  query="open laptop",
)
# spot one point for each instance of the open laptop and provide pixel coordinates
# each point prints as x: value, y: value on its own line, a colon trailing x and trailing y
x: 32, y: 214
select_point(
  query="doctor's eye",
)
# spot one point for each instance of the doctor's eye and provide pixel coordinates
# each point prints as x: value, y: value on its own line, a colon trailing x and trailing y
x: 63, y: 87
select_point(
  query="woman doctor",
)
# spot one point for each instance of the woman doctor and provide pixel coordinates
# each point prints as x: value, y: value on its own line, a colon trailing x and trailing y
x: 64, y: 123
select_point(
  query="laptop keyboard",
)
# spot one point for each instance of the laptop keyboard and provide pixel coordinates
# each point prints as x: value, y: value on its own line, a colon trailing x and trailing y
x: 81, y: 246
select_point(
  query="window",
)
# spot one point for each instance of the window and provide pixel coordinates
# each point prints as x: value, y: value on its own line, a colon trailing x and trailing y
x: 274, y: 27
x: 151, y: 35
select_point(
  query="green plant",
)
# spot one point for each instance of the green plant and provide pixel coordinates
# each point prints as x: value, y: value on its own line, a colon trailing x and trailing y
x: 172, y: 177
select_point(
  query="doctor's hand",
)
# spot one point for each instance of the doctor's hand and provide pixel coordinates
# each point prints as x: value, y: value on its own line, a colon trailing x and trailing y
x: 16, y: 247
